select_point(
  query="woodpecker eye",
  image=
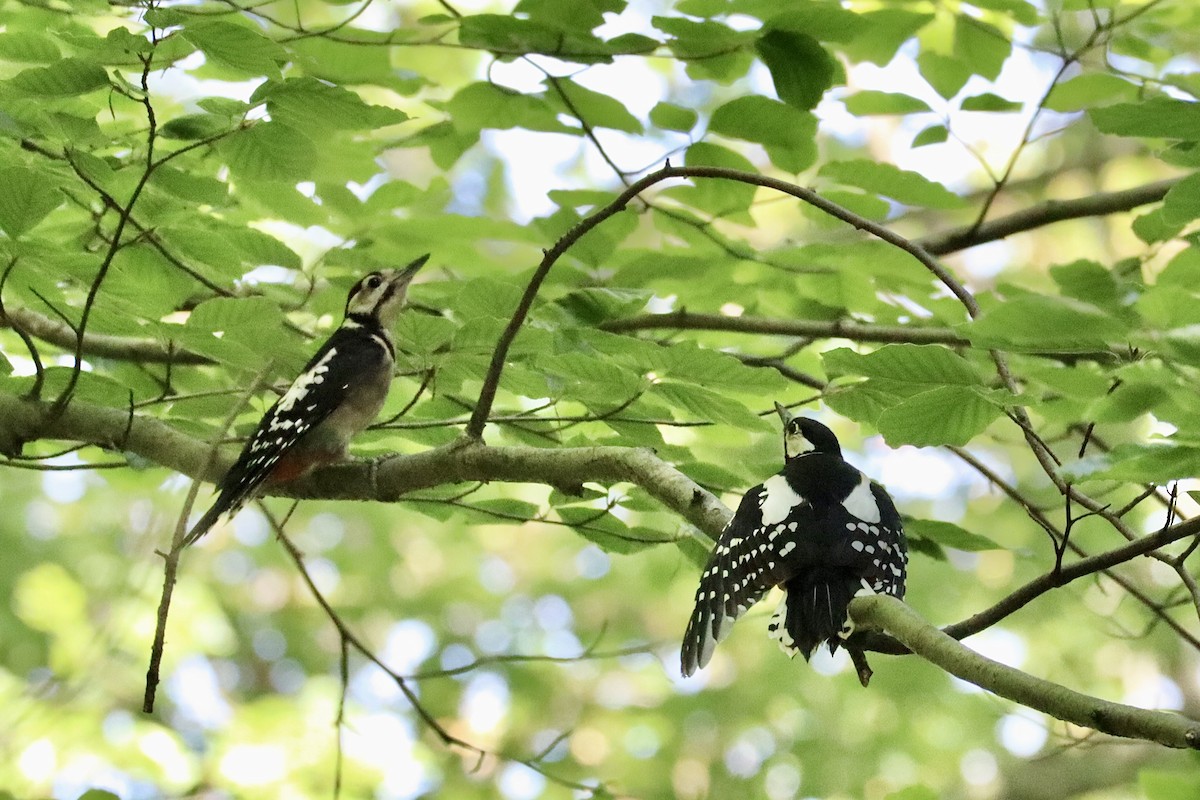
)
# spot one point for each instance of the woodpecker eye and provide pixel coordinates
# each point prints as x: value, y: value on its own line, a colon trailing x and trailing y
x: 373, y: 280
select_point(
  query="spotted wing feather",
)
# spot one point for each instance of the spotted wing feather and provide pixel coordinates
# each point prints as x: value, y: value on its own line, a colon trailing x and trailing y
x: 723, y: 594
x: 312, y: 397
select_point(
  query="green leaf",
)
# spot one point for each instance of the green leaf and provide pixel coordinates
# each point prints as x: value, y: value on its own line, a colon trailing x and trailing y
x: 947, y: 75
x: 1182, y: 203
x: 1158, y: 117
x: 989, y: 102
x: 270, y: 151
x: 609, y: 533
x: 934, y: 134
x: 867, y: 103
x: 27, y: 197
x: 602, y: 382
x: 886, y: 30
x: 1140, y: 463
x: 65, y: 78
x: 312, y: 106
x: 711, y: 50
x: 907, y: 187
x: 1087, y: 281
x: 198, y: 189
x: 904, y: 363
x: 329, y: 60
x: 1088, y: 91
x: 948, y: 415
x: 865, y: 401
x: 714, y: 369
x: 234, y: 314
x: 703, y: 405
x: 512, y: 36
x: 1130, y: 400
x: 980, y: 46
x: 691, y: 39
x: 581, y: 15
x: 800, y: 67
x: 193, y: 127
x: 865, y: 205
x: 824, y: 21
x: 948, y: 534
x: 788, y: 135
x: 236, y: 47
x: 484, y: 105
x: 1153, y: 227
x: 1034, y: 323
x: 672, y: 117
x: 593, y: 108
x: 28, y: 47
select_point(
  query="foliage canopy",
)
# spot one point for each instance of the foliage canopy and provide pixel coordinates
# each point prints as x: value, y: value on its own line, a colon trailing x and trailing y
x: 969, y: 227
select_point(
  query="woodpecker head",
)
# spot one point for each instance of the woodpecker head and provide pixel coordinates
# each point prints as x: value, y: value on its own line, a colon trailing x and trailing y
x: 378, y: 296
x: 803, y: 435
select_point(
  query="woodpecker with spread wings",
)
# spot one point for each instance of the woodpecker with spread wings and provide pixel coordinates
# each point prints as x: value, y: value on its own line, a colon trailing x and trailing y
x: 338, y: 394
x: 819, y: 529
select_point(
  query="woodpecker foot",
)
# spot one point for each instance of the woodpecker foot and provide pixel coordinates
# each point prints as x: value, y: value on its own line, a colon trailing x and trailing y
x: 375, y: 461
x: 373, y: 465
x: 859, y: 659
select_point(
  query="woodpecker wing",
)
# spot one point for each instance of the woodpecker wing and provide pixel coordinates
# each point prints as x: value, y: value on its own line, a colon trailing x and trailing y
x: 277, y: 448
x: 819, y: 512
x: 722, y: 597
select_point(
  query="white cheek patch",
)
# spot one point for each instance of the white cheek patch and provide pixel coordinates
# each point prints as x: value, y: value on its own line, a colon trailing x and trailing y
x: 795, y: 445
x: 778, y: 500
x: 861, y: 502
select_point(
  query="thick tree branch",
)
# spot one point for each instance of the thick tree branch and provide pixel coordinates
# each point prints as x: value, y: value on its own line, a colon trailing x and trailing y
x: 1051, y: 211
x: 469, y: 460
x: 97, y: 345
x: 901, y: 621
x: 466, y: 460
x: 1037, y: 587
x: 840, y: 329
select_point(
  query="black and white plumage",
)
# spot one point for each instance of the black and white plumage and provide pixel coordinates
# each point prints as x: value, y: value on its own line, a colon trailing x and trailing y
x: 819, y: 529
x: 338, y: 394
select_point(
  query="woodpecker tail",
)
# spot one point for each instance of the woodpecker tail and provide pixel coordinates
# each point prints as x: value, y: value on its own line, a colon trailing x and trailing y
x: 204, y: 523
x: 813, y: 610
x: 228, y: 503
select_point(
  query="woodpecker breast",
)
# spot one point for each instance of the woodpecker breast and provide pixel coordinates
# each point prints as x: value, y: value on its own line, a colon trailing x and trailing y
x: 337, y: 395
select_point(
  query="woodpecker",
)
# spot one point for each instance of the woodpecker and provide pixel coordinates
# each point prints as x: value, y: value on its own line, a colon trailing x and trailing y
x: 338, y: 394
x: 819, y: 529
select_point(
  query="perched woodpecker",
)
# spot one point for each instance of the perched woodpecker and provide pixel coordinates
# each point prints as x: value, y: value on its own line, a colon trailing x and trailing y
x: 338, y: 394
x: 819, y: 529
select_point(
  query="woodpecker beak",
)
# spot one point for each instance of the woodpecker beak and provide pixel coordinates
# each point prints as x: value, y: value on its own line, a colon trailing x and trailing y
x: 783, y: 413
x: 408, y: 272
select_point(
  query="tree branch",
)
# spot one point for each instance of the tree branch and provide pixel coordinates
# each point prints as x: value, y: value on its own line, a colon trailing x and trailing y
x: 833, y: 329
x: 1051, y: 211
x: 901, y: 621
x: 1054, y: 579
x: 97, y: 345
x: 462, y: 461
x: 491, y: 382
